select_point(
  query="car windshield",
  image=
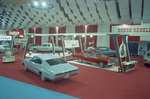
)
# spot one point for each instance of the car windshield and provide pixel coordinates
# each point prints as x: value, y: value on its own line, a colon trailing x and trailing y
x: 56, y: 61
x: 103, y: 49
x: 148, y: 55
x: 45, y: 45
x: 98, y: 53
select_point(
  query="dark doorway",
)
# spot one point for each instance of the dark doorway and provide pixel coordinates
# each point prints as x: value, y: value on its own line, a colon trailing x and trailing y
x: 133, y: 48
x: 148, y: 48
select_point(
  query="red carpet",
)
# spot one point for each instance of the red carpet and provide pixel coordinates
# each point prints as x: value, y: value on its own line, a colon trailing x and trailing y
x: 90, y: 83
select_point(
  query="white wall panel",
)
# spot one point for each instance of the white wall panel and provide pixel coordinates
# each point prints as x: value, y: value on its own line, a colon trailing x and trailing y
x: 146, y: 12
x: 45, y: 38
x: 124, y: 11
x: 136, y: 9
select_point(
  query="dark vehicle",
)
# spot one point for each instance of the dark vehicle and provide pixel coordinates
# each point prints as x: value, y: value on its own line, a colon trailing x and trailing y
x: 106, y: 51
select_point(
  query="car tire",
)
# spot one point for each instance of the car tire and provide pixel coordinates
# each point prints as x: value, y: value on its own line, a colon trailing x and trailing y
x: 79, y: 60
x: 35, y: 50
x: 43, y: 77
x: 25, y: 68
x: 101, y: 64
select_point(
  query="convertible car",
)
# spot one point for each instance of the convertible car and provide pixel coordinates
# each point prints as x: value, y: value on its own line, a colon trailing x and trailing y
x: 106, y: 51
x: 96, y: 57
x: 49, y: 66
x: 46, y: 47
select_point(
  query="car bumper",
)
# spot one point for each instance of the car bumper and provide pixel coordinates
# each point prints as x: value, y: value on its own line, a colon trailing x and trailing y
x: 64, y: 77
x: 146, y: 62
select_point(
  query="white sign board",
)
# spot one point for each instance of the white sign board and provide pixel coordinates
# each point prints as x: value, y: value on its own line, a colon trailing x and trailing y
x: 19, y: 41
x: 71, y: 43
x: 131, y: 28
x: 5, y: 38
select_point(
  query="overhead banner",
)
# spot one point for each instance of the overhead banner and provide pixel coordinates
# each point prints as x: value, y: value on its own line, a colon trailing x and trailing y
x: 144, y: 28
x: 71, y: 43
x: 15, y: 33
x: 130, y: 28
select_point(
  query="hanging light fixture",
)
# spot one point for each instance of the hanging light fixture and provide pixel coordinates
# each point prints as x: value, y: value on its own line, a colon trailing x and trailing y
x: 40, y: 5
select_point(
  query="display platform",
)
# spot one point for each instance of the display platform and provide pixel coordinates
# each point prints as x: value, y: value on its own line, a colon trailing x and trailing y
x: 110, y: 68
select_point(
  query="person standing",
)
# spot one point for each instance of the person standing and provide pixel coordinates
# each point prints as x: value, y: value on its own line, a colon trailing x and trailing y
x: 141, y: 51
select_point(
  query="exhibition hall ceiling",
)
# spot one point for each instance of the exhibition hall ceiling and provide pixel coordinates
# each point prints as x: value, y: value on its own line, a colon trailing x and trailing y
x: 22, y: 14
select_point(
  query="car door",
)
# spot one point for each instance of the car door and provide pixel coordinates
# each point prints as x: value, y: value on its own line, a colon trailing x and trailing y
x: 87, y: 56
x: 35, y: 64
x: 38, y: 66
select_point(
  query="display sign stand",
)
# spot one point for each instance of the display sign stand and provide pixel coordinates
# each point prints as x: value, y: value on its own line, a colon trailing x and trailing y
x: 127, y: 65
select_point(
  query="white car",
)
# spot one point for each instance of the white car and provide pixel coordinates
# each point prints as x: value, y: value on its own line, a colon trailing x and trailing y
x: 46, y: 47
x: 4, y: 48
x: 147, y: 58
x: 49, y: 66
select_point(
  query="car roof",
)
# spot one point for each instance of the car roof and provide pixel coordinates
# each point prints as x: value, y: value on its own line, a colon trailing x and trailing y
x: 91, y: 51
x: 47, y: 56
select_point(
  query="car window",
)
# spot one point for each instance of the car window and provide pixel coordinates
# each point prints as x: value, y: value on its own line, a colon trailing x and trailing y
x: 98, y: 53
x: 88, y: 53
x: 56, y: 61
x: 44, y: 45
x: 148, y: 55
x: 36, y: 60
x: 103, y: 49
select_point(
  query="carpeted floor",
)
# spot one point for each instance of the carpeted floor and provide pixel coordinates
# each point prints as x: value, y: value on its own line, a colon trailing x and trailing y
x: 90, y: 83
x: 12, y: 89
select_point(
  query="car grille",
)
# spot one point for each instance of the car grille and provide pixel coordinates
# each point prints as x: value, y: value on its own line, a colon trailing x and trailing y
x: 66, y: 72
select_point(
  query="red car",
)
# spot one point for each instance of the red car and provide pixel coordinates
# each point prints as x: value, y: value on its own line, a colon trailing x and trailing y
x: 96, y: 57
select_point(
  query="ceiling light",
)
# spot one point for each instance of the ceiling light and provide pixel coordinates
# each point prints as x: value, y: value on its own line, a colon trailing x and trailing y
x: 57, y: 27
x: 91, y: 35
x: 74, y: 35
x: 43, y: 4
x: 36, y: 3
x: 82, y: 35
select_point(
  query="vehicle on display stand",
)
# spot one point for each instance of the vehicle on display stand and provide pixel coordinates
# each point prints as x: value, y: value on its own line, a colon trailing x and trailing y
x: 49, y: 66
x: 8, y: 58
x: 96, y: 57
x: 35, y: 44
x: 146, y: 57
x: 45, y: 47
x: 106, y: 51
x: 4, y: 48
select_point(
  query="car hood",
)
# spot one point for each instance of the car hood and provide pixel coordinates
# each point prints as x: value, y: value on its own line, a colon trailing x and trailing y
x: 105, y: 57
x: 61, y: 68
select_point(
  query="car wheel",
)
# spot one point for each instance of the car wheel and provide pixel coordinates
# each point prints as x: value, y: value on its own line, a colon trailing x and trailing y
x: 35, y: 50
x: 25, y: 68
x: 79, y: 60
x: 43, y: 77
x: 101, y: 64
